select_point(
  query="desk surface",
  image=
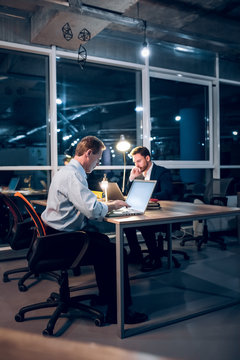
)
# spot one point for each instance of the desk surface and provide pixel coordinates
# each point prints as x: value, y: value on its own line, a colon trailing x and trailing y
x: 177, y: 211
x: 174, y: 210
x: 25, y: 192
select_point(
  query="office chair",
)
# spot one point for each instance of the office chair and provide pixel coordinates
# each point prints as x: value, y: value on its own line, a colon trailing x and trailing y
x: 214, y: 194
x: 19, y: 236
x: 59, y: 252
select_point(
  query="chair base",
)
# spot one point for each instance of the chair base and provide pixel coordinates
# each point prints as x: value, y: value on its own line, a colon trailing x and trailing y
x: 63, y: 303
x: 164, y: 253
x: 204, y: 240
x: 21, y: 286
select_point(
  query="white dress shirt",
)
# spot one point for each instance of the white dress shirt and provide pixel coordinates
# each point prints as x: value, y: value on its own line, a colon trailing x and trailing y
x: 70, y: 202
x: 148, y: 174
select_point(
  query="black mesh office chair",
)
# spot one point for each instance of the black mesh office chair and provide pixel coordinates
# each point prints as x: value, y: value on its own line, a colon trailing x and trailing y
x: 61, y: 251
x: 57, y: 252
x: 214, y: 194
x: 19, y: 233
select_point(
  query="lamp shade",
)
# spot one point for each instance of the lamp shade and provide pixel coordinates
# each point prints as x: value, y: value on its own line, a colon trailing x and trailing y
x: 123, y: 145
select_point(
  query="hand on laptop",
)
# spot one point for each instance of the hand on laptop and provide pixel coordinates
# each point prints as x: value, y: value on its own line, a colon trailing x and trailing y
x: 116, y: 204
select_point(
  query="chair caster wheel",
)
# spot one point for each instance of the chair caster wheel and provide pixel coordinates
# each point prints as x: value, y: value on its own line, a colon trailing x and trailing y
x: 98, y: 322
x: 22, y: 288
x: 53, y: 297
x: 19, y: 317
x: 47, y: 332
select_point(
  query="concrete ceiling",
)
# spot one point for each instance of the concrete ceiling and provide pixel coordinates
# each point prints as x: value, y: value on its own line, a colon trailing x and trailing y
x: 206, y: 24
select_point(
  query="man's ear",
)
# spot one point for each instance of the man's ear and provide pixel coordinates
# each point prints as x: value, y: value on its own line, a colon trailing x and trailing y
x: 148, y: 158
x: 89, y: 152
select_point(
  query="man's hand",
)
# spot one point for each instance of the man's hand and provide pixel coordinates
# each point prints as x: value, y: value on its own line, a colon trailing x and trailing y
x: 135, y: 172
x: 116, y: 204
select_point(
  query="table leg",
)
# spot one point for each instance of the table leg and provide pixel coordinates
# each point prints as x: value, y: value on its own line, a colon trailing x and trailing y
x: 120, y: 281
x: 169, y: 244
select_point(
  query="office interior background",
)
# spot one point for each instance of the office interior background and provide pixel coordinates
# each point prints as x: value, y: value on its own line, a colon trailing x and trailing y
x: 67, y: 72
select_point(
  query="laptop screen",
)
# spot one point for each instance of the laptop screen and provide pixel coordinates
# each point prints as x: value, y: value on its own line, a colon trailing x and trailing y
x: 13, y: 183
x: 140, y: 194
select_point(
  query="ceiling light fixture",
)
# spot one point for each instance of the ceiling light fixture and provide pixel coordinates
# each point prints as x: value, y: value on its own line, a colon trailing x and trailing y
x: 145, y: 49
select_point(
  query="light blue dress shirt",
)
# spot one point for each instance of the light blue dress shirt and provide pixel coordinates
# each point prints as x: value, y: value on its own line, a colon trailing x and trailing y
x: 70, y: 202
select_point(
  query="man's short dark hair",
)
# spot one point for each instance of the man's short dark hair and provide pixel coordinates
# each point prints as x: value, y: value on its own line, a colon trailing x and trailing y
x: 142, y: 150
x: 87, y: 143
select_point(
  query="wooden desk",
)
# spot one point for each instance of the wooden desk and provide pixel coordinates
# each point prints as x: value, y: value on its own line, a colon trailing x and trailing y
x: 39, y: 202
x: 171, y: 212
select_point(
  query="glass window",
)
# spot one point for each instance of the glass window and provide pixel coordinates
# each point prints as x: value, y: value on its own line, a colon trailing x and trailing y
x: 179, y: 120
x: 182, y: 58
x: 24, y: 105
x: 229, y: 124
x: 35, y: 180
x: 96, y: 100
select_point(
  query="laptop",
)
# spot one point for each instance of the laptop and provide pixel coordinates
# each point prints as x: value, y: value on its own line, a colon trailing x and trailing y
x: 13, y: 183
x: 138, y: 198
x: 114, y: 192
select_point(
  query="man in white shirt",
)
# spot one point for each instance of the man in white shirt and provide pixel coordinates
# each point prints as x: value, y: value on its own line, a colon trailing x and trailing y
x: 70, y: 203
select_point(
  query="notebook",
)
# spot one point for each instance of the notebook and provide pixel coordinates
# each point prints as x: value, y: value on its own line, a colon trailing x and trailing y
x: 138, y: 198
x: 114, y: 192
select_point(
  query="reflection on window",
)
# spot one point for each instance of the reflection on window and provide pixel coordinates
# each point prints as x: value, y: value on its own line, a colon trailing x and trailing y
x: 25, y: 180
x: 23, y: 109
x: 100, y: 101
x: 229, y: 124
x: 179, y: 120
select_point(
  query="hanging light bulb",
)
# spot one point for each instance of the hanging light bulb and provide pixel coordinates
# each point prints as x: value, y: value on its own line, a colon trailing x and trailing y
x: 145, y: 49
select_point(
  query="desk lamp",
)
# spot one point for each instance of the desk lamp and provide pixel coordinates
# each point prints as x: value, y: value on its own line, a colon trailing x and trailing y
x: 104, y: 186
x: 123, y: 145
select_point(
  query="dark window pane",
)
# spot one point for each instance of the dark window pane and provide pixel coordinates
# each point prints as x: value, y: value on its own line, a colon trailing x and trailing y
x: 229, y: 124
x: 179, y: 120
x: 97, y: 100
x: 23, y: 109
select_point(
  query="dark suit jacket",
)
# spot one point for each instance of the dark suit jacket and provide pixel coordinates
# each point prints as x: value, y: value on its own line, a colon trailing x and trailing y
x: 163, y: 189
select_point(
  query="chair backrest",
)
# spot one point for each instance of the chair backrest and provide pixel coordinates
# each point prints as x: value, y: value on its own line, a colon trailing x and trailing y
x: 57, y: 251
x: 10, y: 217
x: 217, y: 188
x: 32, y: 212
x: 19, y: 230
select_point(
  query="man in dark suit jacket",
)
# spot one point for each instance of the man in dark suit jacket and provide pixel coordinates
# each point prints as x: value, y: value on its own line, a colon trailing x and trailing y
x: 145, y: 169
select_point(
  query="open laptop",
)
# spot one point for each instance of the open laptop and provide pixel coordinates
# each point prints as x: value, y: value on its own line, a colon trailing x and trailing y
x: 114, y: 192
x: 13, y: 183
x: 138, y: 198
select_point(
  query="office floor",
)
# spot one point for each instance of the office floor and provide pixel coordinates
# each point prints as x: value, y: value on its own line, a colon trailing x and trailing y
x: 210, y: 277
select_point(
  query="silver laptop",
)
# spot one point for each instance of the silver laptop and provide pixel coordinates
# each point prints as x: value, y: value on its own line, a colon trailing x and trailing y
x: 138, y: 198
